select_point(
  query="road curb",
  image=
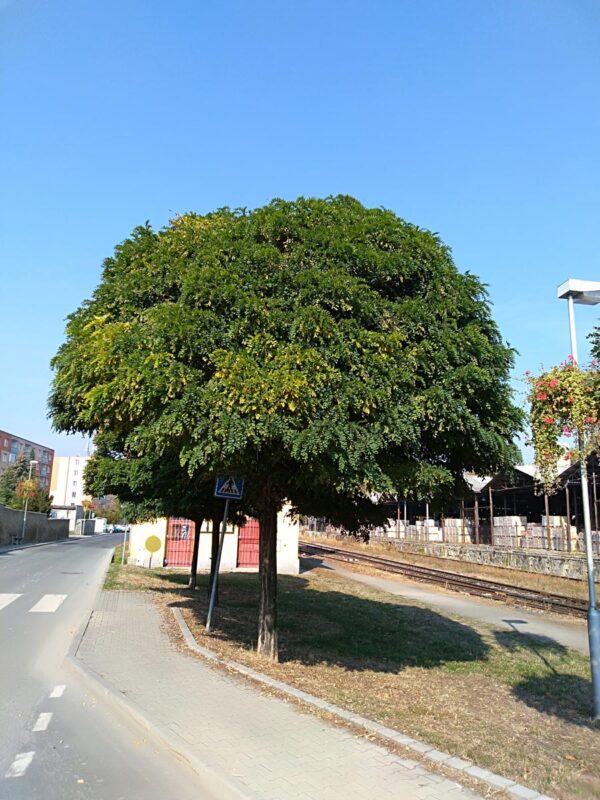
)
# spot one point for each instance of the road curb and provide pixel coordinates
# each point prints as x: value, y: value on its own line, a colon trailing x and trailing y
x: 426, y: 751
x: 9, y: 548
x: 218, y: 783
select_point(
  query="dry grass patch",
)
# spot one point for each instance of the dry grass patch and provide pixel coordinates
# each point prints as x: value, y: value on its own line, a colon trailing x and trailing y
x: 509, y: 702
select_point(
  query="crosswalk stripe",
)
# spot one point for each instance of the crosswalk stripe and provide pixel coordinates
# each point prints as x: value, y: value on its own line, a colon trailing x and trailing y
x: 42, y: 721
x: 20, y: 764
x: 48, y: 604
x: 7, y: 599
x: 58, y: 690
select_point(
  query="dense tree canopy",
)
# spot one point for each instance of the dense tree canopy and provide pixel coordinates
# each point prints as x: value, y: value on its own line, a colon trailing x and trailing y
x: 317, y: 347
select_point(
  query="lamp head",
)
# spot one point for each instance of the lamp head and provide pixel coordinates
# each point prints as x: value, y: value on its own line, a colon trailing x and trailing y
x: 586, y: 293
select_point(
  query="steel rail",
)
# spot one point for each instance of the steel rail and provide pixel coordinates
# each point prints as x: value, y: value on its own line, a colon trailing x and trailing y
x: 452, y: 580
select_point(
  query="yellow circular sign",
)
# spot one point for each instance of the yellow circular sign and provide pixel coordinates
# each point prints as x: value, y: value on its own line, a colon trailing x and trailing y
x: 153, y: 544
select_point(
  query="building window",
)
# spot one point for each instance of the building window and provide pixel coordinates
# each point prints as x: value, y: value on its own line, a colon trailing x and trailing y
x: 4, y: 457
x: 73, y: 494
x: 6, y: 443
x: 76, y: 462
x: 75, y: 472
x: 74, y: 483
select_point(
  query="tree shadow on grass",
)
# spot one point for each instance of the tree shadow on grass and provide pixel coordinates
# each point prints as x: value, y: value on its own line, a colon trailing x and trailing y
x: 352, y: 631
x: 557, y: 693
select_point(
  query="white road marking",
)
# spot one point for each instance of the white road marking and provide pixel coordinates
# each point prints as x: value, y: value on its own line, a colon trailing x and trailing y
x: 58, y: 690
x: 7, y: 599
x: 42, y: 722
x: 18, y: 768
x: 48, y: 604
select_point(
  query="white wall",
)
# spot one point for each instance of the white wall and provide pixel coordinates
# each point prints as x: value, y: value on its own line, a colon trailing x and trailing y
x: 138, y: 534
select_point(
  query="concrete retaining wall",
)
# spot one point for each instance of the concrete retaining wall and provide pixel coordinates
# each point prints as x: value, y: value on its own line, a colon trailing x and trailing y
x: 560, y: 564
x: 39, y: 527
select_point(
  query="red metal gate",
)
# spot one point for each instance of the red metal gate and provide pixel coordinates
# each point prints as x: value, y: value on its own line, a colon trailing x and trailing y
x: 180, y: 542
x: 247, y: 554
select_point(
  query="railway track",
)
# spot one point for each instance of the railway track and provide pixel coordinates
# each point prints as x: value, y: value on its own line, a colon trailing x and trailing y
x: 451, y: 580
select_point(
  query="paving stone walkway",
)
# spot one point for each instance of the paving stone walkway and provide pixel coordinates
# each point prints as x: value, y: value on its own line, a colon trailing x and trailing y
x: 265, y: 748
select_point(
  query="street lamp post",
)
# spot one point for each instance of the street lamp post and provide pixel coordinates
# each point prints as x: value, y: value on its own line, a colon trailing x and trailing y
x: 586, y: 293
x: 31, y: 464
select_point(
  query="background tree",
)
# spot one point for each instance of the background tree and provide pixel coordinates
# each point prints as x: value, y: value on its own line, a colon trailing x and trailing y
x: 15, y: 486
x: 14, y: 474
x: 38, y: 498
x: 107, y: 505
x: 157, y: 486
x: 309, y: 346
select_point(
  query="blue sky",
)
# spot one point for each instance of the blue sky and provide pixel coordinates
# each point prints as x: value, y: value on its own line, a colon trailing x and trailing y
x: 475, y: 118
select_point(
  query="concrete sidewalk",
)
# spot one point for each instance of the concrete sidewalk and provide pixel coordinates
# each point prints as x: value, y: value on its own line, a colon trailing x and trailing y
x: 568, y: 632
x: 255, y: 745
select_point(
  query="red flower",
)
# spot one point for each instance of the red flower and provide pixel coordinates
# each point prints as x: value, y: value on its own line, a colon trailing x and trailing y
x: 542, y: 396
x: 553, y: 383
x: 590, y: 419
x: 548, y: 420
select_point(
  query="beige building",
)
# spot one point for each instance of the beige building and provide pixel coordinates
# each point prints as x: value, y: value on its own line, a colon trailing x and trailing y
x: 66, y: 487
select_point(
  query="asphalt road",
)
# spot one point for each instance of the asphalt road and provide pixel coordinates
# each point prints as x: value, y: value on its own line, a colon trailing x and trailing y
x: 61, y: 736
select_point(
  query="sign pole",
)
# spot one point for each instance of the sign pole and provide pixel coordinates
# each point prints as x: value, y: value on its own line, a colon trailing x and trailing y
x: 124, y: 545
x: 213, y: 588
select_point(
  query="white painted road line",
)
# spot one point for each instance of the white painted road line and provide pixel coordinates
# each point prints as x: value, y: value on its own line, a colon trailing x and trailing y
x: 7, y: 599
x: 19, y: 766
x: 48, y: 604
x: 42, y: 722
x: 58, y: 690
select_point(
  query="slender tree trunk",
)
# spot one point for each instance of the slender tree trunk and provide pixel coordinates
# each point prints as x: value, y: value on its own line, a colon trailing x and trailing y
x: 194, y: 567
x: 267, y: 613
x: 214, y: 551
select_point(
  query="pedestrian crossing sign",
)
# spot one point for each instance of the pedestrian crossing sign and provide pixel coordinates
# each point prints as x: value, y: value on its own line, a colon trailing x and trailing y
x: 229, y: 487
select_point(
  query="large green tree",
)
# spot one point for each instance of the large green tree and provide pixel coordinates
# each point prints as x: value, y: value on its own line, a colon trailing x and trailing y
x: 313, y: 347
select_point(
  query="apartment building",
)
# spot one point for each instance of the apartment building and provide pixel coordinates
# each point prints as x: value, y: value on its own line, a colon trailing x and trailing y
x: 67, y: 487
x: 10, y: 448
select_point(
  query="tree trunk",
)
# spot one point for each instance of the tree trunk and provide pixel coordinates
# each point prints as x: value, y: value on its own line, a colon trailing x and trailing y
x: 267, y: 613
x: 194, y: 566
x: 214, y: 552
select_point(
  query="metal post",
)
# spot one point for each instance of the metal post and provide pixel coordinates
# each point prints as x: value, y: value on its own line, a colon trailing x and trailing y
x: 397, y: 516
x: 569, y: 542
x: 595, y: 509
x: 125, y: 545
x: 491, y: 516
x: 547, y: 512
x: 593, y: 614
x: 26, y: 504
x: 476, y: 516
x: 213, y: 588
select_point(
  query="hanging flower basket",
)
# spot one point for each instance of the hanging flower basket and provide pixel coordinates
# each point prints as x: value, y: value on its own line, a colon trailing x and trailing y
x: 564, y: 416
